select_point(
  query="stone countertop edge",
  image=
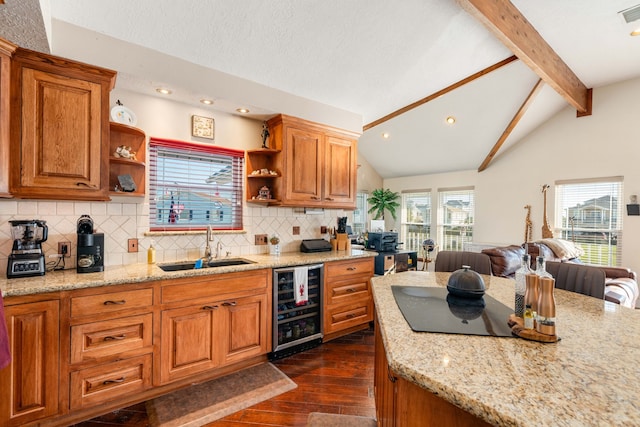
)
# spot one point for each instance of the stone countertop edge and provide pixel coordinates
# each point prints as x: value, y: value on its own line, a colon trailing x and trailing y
x: 66, y: 280
x: 588, y: 378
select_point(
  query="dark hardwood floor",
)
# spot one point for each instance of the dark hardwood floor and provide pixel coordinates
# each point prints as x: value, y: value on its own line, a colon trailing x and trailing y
x: 336, y: 377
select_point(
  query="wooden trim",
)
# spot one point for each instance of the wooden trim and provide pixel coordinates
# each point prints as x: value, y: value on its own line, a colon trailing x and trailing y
x: 506, y: 22
x: 512, y: 124
x: 441, y: 92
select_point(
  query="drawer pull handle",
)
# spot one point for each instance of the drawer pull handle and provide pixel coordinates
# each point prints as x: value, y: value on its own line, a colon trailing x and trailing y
x: 350, y: 316
x: 329, y: 198
x: 118, y: 381
x: 315, y: 198
x: 111, y: 302
x: 209, y: 307
x: 85, y: 184
x: 227, y: 304
x: 349, y: 290
x: 351, y: 268
x: 111, y: 337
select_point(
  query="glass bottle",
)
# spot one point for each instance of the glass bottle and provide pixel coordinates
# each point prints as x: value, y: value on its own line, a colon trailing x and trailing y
x: 541, y: 269
x: 546, y: 313
x: 531, y: 293
x: 521, y: 284
x: 528, y: 317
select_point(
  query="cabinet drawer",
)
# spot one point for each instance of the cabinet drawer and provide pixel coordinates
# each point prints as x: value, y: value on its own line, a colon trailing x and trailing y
x: 348, y: 315
x: 215, y: 285
x: 110, y: 302
x: 340, y: 269
x: 99, y: 384
x: 346, y: 290
x: 100, y: 339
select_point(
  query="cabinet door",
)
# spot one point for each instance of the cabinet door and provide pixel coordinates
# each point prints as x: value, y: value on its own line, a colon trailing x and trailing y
x: 340, y: 171
x: 303, y: 169
x: 61, y: 151
x: 6, y: 49
x: 189, y: 341
x: 30, y: 384
x: 246, y: 323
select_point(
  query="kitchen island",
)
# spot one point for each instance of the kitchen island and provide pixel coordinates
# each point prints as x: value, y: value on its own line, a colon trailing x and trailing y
x: 589, y: 378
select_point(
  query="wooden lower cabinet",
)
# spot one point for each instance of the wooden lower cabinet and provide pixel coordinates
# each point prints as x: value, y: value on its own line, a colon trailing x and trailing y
x: 30, y: 384
x: 212, y: 334
x: 347, y: 296
x: 401, y: 403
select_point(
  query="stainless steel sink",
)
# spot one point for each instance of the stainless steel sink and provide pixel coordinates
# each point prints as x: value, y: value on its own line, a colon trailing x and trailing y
x: 189, y: 265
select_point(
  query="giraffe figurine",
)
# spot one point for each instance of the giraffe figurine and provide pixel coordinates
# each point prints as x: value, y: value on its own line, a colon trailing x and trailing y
x: 547, y: 233
x: 528, y: 227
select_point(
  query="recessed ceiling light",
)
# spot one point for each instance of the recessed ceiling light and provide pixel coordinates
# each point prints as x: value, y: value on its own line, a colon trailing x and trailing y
x: 207, y: 101
x: 636, y: 32
x: 163, y: 90
x: 242, y: 110
x: 385, y: 135
x: 450, y: 120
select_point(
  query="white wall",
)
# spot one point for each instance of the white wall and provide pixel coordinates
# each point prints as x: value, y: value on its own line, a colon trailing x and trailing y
x: 604, y: 144
x: 125, y: 217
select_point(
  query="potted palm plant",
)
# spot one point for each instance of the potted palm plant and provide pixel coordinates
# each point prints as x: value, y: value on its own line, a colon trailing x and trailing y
x: 383, y: 199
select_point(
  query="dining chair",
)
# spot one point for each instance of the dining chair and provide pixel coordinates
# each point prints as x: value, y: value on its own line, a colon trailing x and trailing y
x: 579, y: 278
x: 454, y: 260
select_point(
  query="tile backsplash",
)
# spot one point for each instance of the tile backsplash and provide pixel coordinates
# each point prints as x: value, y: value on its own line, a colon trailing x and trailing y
x: 121, y: 220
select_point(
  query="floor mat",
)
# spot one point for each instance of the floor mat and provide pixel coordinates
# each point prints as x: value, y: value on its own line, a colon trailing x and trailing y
x: 206, y: 402
x: 318, y: 419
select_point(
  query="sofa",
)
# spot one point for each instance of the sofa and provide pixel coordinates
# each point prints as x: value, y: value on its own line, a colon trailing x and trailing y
x: 621, y: 285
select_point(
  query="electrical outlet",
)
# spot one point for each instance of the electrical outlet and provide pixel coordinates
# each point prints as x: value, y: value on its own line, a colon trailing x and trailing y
x: 132, y: 245
x: 64, y: 249
x: 261, y: 239
x: 323, y: 229
x: 296, y: 230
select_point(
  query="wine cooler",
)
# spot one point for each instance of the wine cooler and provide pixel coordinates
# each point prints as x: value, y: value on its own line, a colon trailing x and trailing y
x: 297, y: 325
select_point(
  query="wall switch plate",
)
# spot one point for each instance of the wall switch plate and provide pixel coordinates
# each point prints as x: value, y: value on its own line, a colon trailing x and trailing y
x: 132, y: 245
x: 64, y: 249
x: 296, y: 230
x: 261, y: 239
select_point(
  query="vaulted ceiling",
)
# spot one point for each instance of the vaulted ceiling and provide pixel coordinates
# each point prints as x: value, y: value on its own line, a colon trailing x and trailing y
x: 360, y: 64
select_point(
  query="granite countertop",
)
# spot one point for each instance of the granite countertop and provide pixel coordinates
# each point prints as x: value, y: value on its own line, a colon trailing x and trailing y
x: 137, y: 273
x: 589, y: 378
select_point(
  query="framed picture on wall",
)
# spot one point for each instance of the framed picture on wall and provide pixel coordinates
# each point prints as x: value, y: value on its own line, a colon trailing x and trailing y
x: 202, y: 127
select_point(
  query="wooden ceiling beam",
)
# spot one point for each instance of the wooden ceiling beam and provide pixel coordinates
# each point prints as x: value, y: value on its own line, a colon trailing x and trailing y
x: 512, y: 125
x: 441, y: 92
x: 506, y: 22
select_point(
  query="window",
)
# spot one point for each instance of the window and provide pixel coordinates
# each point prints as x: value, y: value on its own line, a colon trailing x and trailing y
x: 416, y: 218
x: 455, y: 217
x: 194, y: 185
x: 589, y: 213
x: 359, y: 224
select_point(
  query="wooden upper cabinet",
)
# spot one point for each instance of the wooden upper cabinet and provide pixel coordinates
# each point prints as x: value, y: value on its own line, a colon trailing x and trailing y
x: 340, y: 170
x: 303, y: 166
x: 318, y: 163
x: 59, y: 128
x: 6, y: 50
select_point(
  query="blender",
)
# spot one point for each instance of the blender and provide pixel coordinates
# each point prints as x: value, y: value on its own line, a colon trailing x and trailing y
x: 26, y: 257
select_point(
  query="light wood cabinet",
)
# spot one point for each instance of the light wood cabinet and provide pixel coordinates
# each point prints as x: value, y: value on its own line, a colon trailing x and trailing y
x: 347, y: 296
x: 136, y: 139
x: 317, y: 163
x: 6, y: 51
x: 30, y: 384
x: 211, y: 322
x: 401, y: 403
x: 59, y: 128
x: 262, y: 170
x: 111, y: 344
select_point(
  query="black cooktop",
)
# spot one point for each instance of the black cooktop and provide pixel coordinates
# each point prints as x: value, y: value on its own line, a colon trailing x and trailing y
x: 432, y: 309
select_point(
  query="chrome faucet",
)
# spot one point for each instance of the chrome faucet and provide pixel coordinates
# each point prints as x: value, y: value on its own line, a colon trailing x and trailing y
x: 207, y: 248
x: 218, y: 249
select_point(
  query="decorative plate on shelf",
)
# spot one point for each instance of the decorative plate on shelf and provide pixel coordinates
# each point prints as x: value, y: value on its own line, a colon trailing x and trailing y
x: 121, y: 114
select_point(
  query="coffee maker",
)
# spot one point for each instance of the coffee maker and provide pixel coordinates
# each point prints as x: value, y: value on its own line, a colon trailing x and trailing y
x: 26, y: 257
x: 90, y: 256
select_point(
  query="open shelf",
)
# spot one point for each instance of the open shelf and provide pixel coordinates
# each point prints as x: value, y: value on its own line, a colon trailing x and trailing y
x: 135, y: 138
